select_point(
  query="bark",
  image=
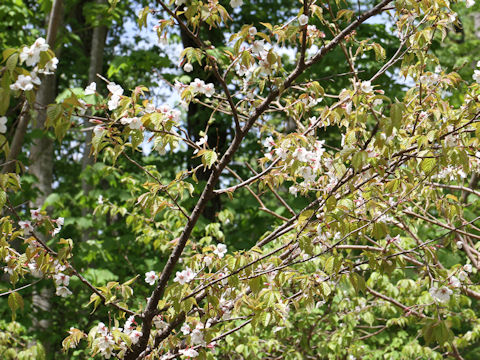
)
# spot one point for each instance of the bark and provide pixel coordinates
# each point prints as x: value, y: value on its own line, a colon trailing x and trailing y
x: 99, y: 37
x: 41, y: 161
x: 17, y: 142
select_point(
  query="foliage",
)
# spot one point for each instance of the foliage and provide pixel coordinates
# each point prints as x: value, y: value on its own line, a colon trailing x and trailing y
x: 349, y: 209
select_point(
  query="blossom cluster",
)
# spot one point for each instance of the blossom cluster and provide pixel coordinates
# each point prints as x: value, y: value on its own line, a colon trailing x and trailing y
x: 31, y: 56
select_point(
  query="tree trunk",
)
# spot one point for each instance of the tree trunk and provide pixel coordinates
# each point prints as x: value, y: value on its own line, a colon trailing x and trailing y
x: 17, y: 142
x: 41, y: 161
x: 99, y: 37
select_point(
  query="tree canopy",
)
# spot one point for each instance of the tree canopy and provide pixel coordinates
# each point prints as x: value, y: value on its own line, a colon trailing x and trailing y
x: 239, y: 179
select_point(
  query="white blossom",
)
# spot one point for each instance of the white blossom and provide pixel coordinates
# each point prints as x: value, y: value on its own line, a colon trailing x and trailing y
x: 468, y: 268
x: 455, y: 282
x: 151, y: 277
x: 459, y: 244
x: 185, y: 329
x: 133, y: 123
x: 252, y: 31
x: 196, y: 337
x: 26, y: 226
x: 115, y: 89
x: 24, y: 82
x: 35, y: 214
x: 188, y: 67
x: 61, y: 279
x: 220, y: 250
x: 135, y: 335
x: 91, y: 89
x: 185, y: 276
x: 303, y: 20
x: 113, y: 102
x: 469, y: 3
x: 366, y: 87
x: 63, y: 291
x: 442, y: 295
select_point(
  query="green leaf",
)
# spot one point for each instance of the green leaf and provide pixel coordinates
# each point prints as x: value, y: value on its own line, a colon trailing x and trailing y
x: 209, y: 158
x: 15, y: 302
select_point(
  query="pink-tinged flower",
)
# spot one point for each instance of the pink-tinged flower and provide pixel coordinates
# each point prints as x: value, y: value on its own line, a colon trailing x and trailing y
x: 252, y: 31
x: 61, y: 279
x: 468, y: 268
x: 133, y: 123
x: 35, y: 214
x: 455, y: 282
x: 220, y: 250
x: 151, y: 277
x: 197, y: 85
x: 26, y: 226
x: 185, y: 276
x: 462, y: 275
x: 91, y: 89
x: 98, y: 130
x: 209, y: 90
x: 135, y: 335
x: 102, y: 329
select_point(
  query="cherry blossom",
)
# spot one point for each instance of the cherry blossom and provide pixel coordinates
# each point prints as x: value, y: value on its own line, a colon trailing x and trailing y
x: 468, y: 268
x: 188, y: 67
x: 440, y: 294
x: 159, y: 323
x: 50, y: 66
x: 455, y: 282
x: 61, y: 279
x: 133, y: 123
x: 63, y: 291
x: 151, y: 277
x: 190, y: 353
x: 26, y: 226
x: 220, y: 250
x: 185, y: 329
x: 185, y: 276
x: 24, y: 82
x: 35, y: 214
x: 31, y: 55
x: 303, y: 20
x: 91, y: 89
x: 34, y: 270
x: 135, y: 335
